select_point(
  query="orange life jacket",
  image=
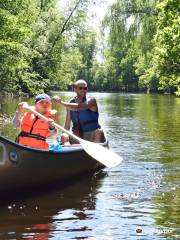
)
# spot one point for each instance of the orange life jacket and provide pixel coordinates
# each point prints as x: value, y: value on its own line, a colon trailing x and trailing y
x: 34, y: 131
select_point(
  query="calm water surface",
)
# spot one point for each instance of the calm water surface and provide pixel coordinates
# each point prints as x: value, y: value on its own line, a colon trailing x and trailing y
x: 141, y: 195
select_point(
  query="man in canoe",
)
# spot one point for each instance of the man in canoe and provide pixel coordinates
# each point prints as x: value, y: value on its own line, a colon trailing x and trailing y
x: 82, y: 110
x: 34, y: 130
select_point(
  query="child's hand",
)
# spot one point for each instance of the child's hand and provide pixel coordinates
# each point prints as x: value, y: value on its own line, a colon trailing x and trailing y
x: 21, y: 107
x: 56, y: 99
x: 51, y: 124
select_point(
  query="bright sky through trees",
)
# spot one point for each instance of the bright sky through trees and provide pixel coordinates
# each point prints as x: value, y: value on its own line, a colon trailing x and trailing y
x: 96, y: 13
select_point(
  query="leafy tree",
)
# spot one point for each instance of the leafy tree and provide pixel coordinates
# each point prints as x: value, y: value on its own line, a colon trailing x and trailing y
x: 86, y: 46
x: 15, y: 36
x: 143, y: 54
x: 38, y: 43
x: 43, y: 47
x: 165, y: 62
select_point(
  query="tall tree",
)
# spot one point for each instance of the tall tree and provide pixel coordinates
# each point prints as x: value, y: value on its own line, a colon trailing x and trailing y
x: 15, y: 37
x: 38, y: 42
x: 165, y: 64
x: 86, y: 45
x: 143, y: 54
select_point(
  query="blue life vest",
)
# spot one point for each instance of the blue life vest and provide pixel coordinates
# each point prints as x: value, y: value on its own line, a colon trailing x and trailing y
x: 86, y: 120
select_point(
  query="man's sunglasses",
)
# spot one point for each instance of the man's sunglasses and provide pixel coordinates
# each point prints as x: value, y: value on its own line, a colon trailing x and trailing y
x: 80, y: 88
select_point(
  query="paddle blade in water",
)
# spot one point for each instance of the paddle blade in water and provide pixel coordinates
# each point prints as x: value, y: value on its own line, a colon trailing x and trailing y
x: 101, y: 154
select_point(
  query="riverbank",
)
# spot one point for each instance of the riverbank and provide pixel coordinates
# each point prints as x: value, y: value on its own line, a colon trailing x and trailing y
x: 11, y: 94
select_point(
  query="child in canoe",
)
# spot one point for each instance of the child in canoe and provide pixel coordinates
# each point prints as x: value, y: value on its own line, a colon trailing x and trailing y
x: 35, y: 131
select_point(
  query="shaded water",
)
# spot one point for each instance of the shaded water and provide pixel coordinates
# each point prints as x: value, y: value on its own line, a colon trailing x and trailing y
x: 139, y: 199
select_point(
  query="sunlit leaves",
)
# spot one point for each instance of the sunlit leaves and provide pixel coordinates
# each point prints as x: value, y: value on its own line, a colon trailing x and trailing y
x: 147, y: 50
x: 40, y: 44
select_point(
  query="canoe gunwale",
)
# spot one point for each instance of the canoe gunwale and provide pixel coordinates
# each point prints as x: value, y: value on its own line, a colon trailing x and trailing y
x: 66, y: 149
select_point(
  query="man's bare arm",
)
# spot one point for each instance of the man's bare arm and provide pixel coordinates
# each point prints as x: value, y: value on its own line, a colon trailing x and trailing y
x: 67, y: 124
x: 91, y: 104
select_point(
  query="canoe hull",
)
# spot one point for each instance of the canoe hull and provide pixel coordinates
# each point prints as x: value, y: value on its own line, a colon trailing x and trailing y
x: 22, y: 167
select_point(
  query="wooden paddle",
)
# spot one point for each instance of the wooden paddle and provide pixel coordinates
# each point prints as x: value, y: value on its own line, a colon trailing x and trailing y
x: 95, y: 150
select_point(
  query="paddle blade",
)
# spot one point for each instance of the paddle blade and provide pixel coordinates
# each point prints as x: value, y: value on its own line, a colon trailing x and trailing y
x: 101, y: 154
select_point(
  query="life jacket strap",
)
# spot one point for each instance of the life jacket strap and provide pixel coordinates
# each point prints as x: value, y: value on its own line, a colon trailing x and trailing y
x: 77, y: 127
x: 88, y: 122
x: 31, y: 135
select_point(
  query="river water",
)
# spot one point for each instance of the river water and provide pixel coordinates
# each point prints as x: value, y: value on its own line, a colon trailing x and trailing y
x: 139, y: 199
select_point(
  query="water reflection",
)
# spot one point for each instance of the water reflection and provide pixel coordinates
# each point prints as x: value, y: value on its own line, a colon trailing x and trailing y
x: 42, y: 217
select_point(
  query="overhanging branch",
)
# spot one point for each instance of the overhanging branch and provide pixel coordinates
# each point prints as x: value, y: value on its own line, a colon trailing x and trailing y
x: 63, y: 28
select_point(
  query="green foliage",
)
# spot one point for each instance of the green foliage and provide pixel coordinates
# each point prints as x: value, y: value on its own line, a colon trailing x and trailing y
x: 86, y: 45
x: 39, y: 47
x: 144, y: 54
x: 44, y: 48
x: 14, y: 52
x: 67, y: 71
x: 166, y: 63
